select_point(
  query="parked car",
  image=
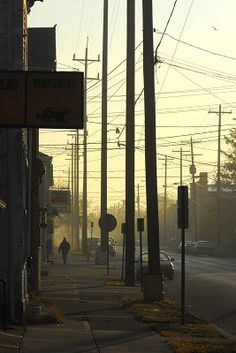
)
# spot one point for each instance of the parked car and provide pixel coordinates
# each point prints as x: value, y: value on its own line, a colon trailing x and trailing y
x: 166, y: 263
x: 112, y: 247
x: 205, y: 247
x: 92, y: 242
x: 189, y: 246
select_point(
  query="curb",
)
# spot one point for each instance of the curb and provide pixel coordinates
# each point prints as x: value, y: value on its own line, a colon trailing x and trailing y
x: 222, y: 332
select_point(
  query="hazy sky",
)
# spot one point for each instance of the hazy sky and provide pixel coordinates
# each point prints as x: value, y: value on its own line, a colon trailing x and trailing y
x: 196, y: 73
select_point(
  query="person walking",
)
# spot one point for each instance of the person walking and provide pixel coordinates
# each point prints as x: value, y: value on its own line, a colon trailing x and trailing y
x: 64, y: 247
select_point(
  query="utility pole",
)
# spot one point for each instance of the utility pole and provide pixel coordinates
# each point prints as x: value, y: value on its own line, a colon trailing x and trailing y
x: 192, y: 170
x: 77, y: 232
x: 86, y: 62
x: 130, y: 155
x: 138, y: 200
x: 218, y: 183
x: 75, y: 211
x: 165, y: 203
x: 72, y: 196
x: 219, y: 113
x: 165, y: 200
x: 104, y: 232
x: 76, y: 196
x: 181, y: 164
x: 150, y: 144
x: 69, y: 188
x: 194, y: 203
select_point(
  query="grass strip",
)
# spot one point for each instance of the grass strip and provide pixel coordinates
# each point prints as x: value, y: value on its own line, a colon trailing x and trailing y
x: 195, y: 336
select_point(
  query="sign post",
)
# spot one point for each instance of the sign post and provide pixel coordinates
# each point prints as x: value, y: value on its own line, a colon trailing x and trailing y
x: 107, y: 223
x: 140, y: 227
x: 91, y: 237
x: 183, y: 224
x: 123, y: 251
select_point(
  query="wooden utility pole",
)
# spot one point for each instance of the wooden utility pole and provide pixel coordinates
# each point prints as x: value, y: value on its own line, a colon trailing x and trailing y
x: 150, y: 142
x: 77, y: 220
x: 104, y: 232
x: 69, y: 188
x: 181, y: 164
x: 192, y: 171
x: 138, y: 200
x: 219, y: 113
x: 194, y: 203
x: 218, y: 183
x: 74, y: 187
x: 165, y: 200
x: 130, y: 155
x: 72, y: 196
x: 86, y: 62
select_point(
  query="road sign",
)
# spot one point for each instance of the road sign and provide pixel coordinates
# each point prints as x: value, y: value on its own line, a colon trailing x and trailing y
x: 182, y: 224
x: 107, y: 222
x: 41, y: 99
x: 183, y: 207
x: 140, y: 224
x: 60, y: 200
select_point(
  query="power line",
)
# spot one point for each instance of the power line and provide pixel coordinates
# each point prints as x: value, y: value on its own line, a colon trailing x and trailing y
x: 163, y: 33
x: 196, y: 47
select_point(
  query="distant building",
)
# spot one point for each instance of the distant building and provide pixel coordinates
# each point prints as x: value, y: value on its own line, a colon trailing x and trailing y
x: 208, y: 213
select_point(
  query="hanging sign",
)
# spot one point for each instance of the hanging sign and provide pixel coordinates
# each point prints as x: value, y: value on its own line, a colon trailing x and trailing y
x: 41, y: 99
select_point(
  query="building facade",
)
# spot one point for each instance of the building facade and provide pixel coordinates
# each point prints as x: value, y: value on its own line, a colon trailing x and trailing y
x: 15, y: 182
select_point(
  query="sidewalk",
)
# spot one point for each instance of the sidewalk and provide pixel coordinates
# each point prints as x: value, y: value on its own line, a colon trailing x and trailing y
x: 94, y: 319
x: 10, y: 341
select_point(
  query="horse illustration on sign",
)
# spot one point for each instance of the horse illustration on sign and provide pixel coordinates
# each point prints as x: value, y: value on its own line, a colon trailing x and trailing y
x: 54, y: 115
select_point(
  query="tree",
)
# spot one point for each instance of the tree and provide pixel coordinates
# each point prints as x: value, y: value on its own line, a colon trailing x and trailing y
x: 228, y: 169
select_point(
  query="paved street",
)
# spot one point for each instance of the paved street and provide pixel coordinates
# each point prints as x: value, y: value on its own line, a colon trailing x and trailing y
x: 210, y: 289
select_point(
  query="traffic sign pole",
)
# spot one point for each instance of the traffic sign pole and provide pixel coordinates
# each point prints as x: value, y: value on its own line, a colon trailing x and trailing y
x: 183, y: 224
x: 140, y: 226
x: 123, y: 250
x: 107, y: 223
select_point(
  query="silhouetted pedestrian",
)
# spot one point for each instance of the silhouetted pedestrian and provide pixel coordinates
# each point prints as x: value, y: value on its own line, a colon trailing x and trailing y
x: 64, y: 247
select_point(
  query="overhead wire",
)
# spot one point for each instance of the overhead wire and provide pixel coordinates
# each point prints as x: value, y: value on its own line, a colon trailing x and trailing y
x: 165, y: 29
x: 197, y: 47
x: 139, y: 96
x: 176, y: 47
